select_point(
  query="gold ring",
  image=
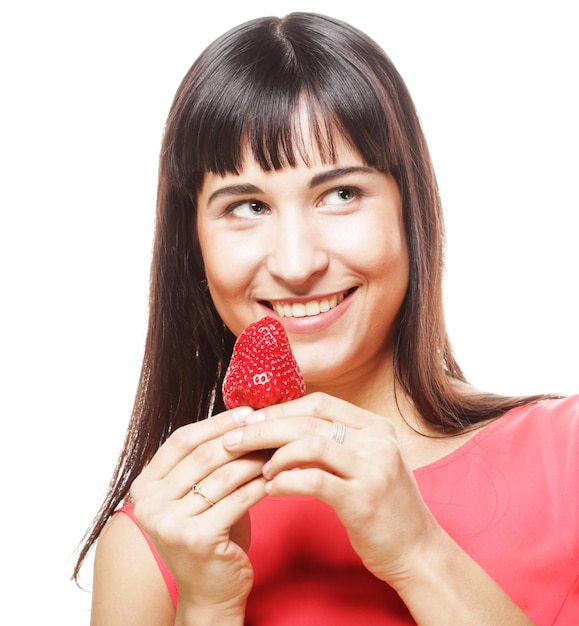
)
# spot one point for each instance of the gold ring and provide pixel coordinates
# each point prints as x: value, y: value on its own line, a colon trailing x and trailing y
x: 197, y: 490
x: 338, y: 432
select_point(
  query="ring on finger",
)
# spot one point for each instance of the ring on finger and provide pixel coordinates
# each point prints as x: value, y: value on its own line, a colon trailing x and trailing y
x: 196, y: 489
x: 338, y: 432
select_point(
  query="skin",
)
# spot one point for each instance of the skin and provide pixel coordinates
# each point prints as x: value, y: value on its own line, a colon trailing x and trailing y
x: 295, y: 236
x: 301, y: 234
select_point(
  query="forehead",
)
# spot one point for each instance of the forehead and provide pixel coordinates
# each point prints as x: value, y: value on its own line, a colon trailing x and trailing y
x: 309, y: 144
x: 309, y: 161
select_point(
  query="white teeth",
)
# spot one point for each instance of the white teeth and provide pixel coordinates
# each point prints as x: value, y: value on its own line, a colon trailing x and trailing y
x: 325, y: 305
x: 312, y: 308
x: 307, y: 309
x: 299, y: 310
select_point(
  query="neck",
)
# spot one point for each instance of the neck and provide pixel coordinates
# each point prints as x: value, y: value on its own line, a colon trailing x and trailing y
x: 375, y: 389
x: 378, y: 391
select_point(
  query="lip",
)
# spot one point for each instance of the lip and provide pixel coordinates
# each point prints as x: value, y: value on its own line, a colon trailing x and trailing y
x: 326, y: 310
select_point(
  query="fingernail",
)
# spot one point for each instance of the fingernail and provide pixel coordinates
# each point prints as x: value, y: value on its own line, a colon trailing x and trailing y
x: 239, y: 415
x: 233, y: 437
x: 265, y: 470
x: 256, y: 417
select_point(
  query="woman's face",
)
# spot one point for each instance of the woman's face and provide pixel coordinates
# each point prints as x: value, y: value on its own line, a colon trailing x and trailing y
x: 321, y: 247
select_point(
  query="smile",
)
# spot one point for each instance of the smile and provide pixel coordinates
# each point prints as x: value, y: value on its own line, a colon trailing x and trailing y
x: 310, y: 308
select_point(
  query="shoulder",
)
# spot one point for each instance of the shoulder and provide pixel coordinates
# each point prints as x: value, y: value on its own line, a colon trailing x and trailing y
x: 128, y: 586
x: 557, y: 419
x: 543, y: 436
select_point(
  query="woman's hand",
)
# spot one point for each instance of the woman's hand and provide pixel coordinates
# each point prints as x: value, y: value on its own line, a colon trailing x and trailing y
x: 364, y: 478
x: 361, y: 472
x: 203, y: 534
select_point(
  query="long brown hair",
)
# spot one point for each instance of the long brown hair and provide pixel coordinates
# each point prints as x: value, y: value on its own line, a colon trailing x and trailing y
x: 244, y: 90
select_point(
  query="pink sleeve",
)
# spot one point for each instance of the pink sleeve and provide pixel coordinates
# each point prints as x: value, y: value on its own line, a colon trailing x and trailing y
x: 167, y: 576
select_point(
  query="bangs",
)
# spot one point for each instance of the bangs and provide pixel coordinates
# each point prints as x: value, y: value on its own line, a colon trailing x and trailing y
x: 278, y: 130
x: 265, y: 93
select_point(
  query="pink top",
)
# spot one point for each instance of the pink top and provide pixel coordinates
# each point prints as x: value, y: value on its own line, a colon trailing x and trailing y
x: 509, y: 496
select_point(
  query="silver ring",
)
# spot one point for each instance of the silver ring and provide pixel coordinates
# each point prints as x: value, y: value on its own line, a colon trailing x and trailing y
x: 196, y: 489
x: 338, y: 432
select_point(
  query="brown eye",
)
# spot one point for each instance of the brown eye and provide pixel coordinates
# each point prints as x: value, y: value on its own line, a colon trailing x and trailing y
x: 249, y: 208
x: 340, y: 195
x: 256, y: 207
x: 346, y: 193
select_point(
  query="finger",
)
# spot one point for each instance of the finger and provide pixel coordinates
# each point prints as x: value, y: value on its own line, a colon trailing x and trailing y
x: 194, y: 468
x: 314, y: 482
x: 319, y: 452
x: 168, y: 518
x: 275, y: 433
x: 229, y: 510
x: 185, y: 439
x: 172, y: 526
x: 317, y: 405
x: 279, y: 432
x: 224, y: 481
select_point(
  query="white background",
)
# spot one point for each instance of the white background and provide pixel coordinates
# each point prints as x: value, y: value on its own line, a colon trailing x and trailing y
x: 85, y: 91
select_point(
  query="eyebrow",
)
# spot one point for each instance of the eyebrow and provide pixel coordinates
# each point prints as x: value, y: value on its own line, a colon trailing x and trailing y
x: 330, y: 175
x: 234, y: 190
x: 243, y: 189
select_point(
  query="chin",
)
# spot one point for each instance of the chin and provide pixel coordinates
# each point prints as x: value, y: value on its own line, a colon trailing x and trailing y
x: 320, y: 378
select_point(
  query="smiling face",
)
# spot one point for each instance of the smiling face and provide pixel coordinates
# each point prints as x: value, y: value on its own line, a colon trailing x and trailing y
x: 320, y: 246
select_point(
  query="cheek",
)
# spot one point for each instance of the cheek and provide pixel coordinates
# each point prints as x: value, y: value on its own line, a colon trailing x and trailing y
x: 380, y: 251
x: 215, y: 263
x: 230, y: 264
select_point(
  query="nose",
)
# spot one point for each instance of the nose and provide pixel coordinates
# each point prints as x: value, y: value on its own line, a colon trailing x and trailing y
x: 297, y: 249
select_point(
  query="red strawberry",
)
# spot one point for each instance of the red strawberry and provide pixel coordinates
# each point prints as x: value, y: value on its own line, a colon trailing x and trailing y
x: 263, y: 370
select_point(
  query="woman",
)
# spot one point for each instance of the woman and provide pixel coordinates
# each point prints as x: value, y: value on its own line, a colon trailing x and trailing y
x: 294, y: 177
